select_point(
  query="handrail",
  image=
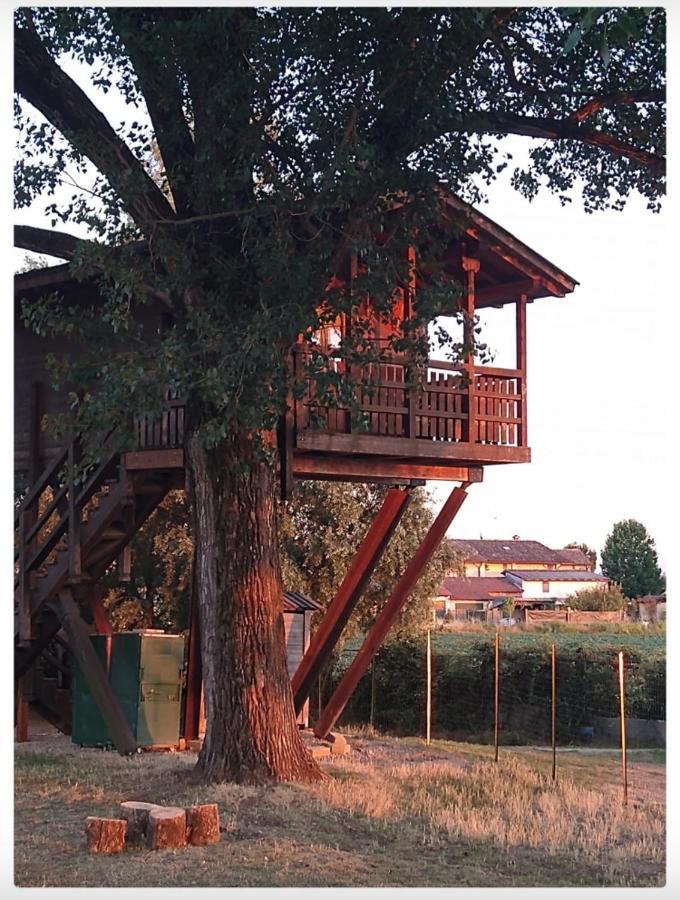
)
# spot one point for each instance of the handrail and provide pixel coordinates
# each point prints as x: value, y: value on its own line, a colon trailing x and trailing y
x: 42, y: 483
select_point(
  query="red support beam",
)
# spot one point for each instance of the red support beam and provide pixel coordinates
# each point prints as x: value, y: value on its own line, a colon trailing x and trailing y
x: 364, y: 562
x: 389, y: 612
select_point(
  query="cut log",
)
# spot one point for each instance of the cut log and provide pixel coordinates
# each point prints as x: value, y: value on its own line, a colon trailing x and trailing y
x: 203, y: 824
x: 339, y: 746
x: 136, y: 814
x: 167, y: 827
x: 105, y: 835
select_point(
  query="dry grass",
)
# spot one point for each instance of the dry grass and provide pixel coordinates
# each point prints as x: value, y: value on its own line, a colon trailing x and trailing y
x: 394, y: 812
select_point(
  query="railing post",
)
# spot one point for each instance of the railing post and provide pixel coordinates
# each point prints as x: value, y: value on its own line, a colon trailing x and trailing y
x: 74, y: 520
x: 409, y: 304
x: 470, y: 267
x: 24, y: 600
x: 521, y: 338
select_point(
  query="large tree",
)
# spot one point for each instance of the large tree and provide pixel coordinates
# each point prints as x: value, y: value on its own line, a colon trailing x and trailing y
x: 629, y: 558
x: 288, y: 137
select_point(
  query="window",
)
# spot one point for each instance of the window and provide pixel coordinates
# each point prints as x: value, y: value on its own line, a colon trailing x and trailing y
x: 546, y: 586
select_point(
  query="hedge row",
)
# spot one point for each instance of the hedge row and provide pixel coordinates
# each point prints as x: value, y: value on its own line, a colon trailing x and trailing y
x: 463, y: 690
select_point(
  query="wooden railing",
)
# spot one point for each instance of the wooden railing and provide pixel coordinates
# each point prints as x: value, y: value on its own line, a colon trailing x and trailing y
x: 440, y: 403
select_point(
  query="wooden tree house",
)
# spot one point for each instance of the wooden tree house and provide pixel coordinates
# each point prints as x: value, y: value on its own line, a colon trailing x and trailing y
x: 446, y: 423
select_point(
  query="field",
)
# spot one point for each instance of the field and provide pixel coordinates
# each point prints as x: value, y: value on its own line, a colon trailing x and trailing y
x: 393, y: 813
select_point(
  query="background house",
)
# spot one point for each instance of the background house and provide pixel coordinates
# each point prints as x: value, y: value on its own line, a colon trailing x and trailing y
x: 469, y: 599
x: 481, y: 557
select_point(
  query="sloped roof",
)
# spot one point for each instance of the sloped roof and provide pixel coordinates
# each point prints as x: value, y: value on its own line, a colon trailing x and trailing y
x: 509, y: 551
x: 574, y: 555
x: 296, y: 603
x: 477, y: 588
x: 554, y: 575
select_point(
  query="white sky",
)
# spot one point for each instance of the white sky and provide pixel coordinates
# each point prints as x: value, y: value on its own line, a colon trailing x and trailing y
x: 597, y: 401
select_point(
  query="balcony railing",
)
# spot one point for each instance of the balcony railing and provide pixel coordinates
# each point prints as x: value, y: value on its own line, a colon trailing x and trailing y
x: 440, y: 403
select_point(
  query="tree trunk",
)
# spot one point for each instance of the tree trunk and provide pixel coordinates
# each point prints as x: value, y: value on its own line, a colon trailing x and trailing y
x: 251, y: 733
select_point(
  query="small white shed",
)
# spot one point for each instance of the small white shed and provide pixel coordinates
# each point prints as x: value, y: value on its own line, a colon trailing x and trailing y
x: 297, y: 616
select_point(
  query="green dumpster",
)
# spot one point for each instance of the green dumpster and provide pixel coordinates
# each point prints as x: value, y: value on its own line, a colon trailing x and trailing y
x: 145, y: 671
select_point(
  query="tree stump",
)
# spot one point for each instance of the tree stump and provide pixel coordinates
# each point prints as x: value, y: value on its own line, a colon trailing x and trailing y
x: 167, y: 827
x: 136, y: 815
x: 203, y: 824
x: 105, y: 835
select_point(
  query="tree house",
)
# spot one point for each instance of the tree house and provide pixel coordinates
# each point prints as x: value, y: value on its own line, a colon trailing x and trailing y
x: 446, y: 423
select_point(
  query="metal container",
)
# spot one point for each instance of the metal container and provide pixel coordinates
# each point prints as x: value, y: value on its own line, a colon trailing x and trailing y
x: 145, y: 670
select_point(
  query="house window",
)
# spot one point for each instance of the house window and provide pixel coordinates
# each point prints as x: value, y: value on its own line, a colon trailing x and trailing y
x: 546, y: 586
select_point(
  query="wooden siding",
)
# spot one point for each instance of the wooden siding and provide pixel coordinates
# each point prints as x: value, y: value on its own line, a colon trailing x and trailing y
x: 296, y: 626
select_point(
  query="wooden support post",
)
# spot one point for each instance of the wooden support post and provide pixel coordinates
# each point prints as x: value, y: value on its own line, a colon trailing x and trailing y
x: 521, y: 339
x: 74, y: 520
x: 389, y: 612
x: 622, y: 713
x: 192, y: 693
x: 553, y: 708
x: 364, y: 562
x: 93, y: 671
x: 24, y: 594
x: 470, y: 267
x: 496, y: 693
x: 428, y: 691
x: 409, y: 305
x: 21, y: 711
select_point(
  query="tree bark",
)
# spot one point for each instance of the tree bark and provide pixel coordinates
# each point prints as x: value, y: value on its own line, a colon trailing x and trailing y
x: 251, y: 733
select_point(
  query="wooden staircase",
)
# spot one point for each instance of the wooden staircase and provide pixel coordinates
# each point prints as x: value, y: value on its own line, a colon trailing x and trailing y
x: 69, y: 531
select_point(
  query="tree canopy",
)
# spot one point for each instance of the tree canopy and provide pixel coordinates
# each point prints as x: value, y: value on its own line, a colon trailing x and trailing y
x: 629, y: 558
x: 285, y: 137
x: 267, y: 160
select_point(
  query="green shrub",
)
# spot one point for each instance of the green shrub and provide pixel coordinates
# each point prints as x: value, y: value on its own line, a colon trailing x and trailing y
x: 463, y: 686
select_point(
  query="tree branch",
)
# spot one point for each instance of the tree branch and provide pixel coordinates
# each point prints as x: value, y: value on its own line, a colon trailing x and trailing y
x: 66, y: 246
x: 157, y: 80
x: 53, y: 243
x: 43, y: 84
x: 565, y: 129
x: 618, y: 98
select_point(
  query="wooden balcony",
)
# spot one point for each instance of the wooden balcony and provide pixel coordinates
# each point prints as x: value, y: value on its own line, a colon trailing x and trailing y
x: 438, y: 423
x: 443, y: 416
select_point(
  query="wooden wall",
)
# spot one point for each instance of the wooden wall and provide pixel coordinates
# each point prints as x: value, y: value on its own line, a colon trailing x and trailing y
x: 297, y: 641
x: 30, y: 370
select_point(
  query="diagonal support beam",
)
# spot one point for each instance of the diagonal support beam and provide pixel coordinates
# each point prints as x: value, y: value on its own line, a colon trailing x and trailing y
x: 389, y: 612
x: 91, y: 667
x: 337, y: 615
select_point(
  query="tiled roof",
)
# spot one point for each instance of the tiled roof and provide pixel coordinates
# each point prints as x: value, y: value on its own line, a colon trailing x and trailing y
x: 554, y: 575
x: 575, y: 556
x: 477, y: 588
x: 507, y: 551
x: 294, y: 602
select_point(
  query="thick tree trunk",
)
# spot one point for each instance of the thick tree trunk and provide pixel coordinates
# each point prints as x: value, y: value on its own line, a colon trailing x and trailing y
x: 251, y: 733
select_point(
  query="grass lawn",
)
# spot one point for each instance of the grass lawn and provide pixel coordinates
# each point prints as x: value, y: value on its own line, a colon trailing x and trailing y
x: 393, y: 813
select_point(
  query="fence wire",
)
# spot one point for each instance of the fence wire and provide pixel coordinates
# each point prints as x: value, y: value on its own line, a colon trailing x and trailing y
x: 392, y: 695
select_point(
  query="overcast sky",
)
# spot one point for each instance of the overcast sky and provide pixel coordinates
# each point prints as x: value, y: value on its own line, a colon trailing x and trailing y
x: 597, y: 397
x: 597, y: 403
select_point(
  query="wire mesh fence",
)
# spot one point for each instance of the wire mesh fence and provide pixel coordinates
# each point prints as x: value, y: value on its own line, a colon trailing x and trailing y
x: 516, y: 690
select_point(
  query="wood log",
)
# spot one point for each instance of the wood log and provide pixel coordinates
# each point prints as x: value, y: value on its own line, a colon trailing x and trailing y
x: 203, y: 824
x: 105, y: 835
x: 136, y: 814
x: 167, y: 827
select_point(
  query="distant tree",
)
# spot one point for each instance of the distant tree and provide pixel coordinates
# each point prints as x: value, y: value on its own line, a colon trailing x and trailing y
x: 629, y: 558
x: 319, y: 534
x: 594, y: 599
x: 321, y: 531
x: 588, y: 551
x: 157, y: 593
